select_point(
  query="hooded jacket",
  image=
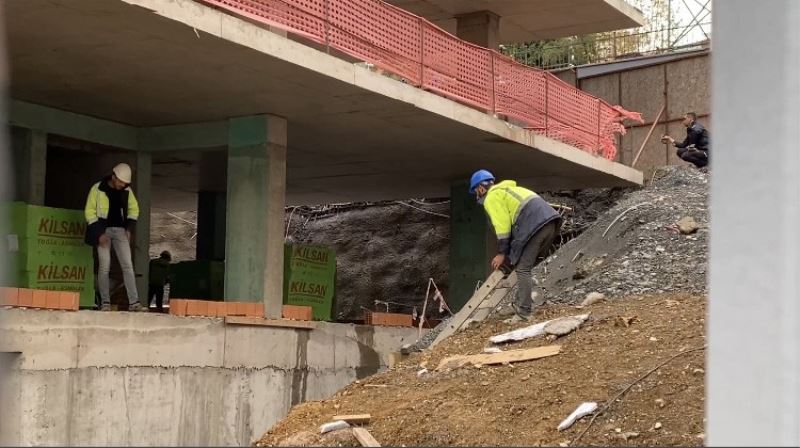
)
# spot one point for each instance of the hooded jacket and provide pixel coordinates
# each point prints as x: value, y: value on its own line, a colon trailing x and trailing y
x: 100, y: 204
x: 516, y: 214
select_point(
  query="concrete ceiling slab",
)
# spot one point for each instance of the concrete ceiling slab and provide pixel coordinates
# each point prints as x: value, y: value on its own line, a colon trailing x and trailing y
x: 353, y: 134
x: 529, y: 20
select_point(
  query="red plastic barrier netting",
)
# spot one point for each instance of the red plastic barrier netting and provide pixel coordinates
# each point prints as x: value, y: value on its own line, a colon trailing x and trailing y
x: 425, y: 55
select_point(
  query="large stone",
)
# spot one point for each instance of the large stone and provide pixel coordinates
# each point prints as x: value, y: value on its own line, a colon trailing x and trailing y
x: 687, y: 225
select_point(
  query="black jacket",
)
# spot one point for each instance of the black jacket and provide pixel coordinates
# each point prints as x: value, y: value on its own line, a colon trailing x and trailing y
x: 696, y: 135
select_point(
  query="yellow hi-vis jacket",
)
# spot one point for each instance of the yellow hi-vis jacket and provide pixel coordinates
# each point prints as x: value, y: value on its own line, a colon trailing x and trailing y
x: 96, y: 210
x: 516, y: 214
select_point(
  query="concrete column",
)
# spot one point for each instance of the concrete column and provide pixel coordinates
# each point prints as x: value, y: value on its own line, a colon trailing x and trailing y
x: 753, y: 381
x: 142, y: 183
x: 255, y: 211
x: 211, y: 198
x: 30, y: 162
x: 480, y: 27
x: 472, y: 245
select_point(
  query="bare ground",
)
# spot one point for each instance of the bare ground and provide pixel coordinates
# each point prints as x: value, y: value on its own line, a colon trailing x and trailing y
x: 522, y: 404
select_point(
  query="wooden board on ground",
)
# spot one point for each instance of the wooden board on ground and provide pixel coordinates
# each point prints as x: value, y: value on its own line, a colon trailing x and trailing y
x: 365, y: 438
x: 454, y: 362
x: 466, y: 312
x: 355, y: 419
x: 298, y: 324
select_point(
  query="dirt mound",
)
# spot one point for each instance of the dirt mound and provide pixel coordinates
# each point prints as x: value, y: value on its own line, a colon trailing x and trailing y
x: 523, y: 403
x: 636, y: 247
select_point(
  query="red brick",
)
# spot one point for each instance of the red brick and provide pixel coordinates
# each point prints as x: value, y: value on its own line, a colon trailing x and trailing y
x: 192, y: 307
x: 53, y: 300
x: 39, y: 298
x: 202, y: 308
x: 177, y: 307
x: 9, y: 296
x: 295, y: 312
x: 392, y: 319
x: 68, y: 300
x: 259, y: 310
x: 241, y: 308
x: 26, y: 297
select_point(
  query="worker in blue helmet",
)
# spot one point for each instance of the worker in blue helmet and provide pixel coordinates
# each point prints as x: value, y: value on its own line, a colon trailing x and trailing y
x: 526, y: 227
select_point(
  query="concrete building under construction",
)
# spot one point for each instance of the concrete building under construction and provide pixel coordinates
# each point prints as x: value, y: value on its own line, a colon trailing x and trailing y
x: 239, y: 108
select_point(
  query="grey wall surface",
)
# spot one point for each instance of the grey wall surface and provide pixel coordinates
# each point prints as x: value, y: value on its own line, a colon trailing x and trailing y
x: 91, y: 378
x: 681, y: 86
x: 754, y: 323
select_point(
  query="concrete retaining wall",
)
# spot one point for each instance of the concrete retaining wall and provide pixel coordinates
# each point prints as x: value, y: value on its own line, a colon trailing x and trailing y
x: 91, y: 378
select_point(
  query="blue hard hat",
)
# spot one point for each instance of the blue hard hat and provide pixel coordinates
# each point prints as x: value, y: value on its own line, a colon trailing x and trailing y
x: 477, y: 178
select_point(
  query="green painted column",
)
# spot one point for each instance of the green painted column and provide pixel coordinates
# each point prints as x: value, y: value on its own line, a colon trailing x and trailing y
x: 256, y: 199
x: 30, y: 163
x: 472, y: 245
x: 142, y: 184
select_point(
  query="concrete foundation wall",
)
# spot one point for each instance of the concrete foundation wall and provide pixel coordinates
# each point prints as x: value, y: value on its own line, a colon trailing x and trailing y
x: 91, y: 378
x: 681, y: 85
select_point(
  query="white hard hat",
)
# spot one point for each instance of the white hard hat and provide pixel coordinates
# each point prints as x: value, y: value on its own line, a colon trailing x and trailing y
x: 123, y: 172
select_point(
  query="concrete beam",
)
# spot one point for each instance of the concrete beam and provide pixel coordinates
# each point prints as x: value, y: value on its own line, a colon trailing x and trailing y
x: 70, y: 124
x: 255, y: 211
x: 143, y: 180
x: 213, y: 134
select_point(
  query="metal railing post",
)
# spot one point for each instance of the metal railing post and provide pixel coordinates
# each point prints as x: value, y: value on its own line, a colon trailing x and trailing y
x: 494, y: 86
x: 546, y: 101
x: 328, y: 26
x: 422, y: 52
x: 599, y: 106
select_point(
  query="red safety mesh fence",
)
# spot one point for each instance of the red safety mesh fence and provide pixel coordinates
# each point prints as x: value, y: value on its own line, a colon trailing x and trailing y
x: 428, y: 57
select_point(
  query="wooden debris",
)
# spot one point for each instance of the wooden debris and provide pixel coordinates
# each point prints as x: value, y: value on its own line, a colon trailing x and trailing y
x: 506, y: 357
x: 365, y: 438
x: 355, y: 419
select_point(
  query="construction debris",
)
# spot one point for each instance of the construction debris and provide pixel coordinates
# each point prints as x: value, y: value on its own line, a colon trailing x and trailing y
x: 507, y: 357
x: 643, y: 252
x: 354, y: 419
x: 581, y: 411
x: 687, y: 225
x: 565, y: 325
x: 365, y: 438
x: 333, y: 426
x: 558, y: 327
x: 592, y: 298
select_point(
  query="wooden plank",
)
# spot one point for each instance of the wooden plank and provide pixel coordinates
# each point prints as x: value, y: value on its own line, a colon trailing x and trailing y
x: 464, y: 314
x: 454, y: 362
x: 365, y: 438
x: 258, y: 321
x: 354, y: 419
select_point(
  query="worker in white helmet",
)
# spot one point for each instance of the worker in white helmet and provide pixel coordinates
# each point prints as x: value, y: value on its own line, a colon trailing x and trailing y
x: 111, y: 214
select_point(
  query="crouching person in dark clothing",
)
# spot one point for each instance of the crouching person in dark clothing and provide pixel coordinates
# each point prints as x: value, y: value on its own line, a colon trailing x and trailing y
x: 694, y: 148
x: 526, y: 227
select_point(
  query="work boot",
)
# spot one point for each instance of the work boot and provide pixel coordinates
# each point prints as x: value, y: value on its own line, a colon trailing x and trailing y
x: 138, y: 308
x: 514, y: 312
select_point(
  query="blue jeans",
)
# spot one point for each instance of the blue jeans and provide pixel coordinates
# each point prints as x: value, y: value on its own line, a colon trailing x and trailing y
x: 122, y: 247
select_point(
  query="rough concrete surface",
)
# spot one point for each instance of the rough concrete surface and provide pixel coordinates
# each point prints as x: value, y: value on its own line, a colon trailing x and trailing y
x: 91, y: 378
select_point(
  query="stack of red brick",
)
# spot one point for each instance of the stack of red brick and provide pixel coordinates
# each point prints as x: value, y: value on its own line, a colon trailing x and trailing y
x: 37, y: 298
x: 207, y: 308
x: 388, y: 319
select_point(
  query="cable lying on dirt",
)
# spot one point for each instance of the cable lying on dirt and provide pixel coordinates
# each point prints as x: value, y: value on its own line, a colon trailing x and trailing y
x: 619, y: 395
